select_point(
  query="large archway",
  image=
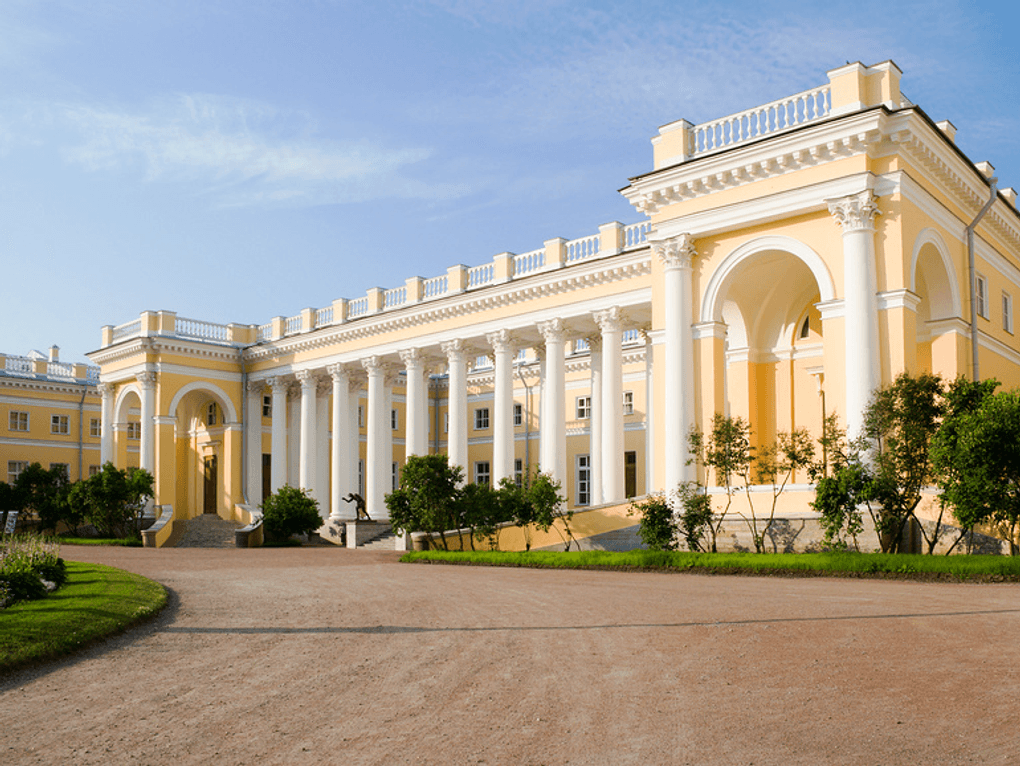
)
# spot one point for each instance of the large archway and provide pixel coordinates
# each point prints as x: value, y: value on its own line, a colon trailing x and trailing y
x: 940, y: 344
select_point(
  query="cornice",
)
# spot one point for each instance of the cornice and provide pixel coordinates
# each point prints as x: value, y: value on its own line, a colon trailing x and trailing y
x: 578, y: 276
x: 48, y: 385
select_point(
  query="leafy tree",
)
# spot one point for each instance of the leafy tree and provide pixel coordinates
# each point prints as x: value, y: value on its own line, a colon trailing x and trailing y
x: 658, y: 526
x: 479, y: 510
x: 726, y: 450
x: 776, y: 465
x: 111, y: 500
x: 695, y: 518
x: 537, y: 503
x: 427, y: 498
x: 982, y: 445
x: 290, y: 511
x: 901, y: 421
x: 842, y: 487
x: 43, y: 491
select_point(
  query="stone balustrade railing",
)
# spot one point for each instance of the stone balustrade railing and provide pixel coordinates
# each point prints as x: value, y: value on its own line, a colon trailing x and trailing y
x: 67, y: 371
x: 557, y: 253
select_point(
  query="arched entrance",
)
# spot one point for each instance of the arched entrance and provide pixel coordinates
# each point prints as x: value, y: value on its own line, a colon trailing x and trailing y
x: 940, y: 332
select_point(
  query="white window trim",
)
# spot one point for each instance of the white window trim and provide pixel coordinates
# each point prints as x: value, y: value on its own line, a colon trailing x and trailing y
x: 60, y: 425
x: 479, y: 473
x: 981, y: 295
x: 582, y: 407
x: 628, y: 402
x: 582, y: 497
x: 518, y: 414
x: 15, y: 415
x: 1007, y: 312
x: 481, y: 418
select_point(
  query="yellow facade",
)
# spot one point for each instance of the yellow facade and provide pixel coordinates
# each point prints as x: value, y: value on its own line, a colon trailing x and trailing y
x: 791, y: 258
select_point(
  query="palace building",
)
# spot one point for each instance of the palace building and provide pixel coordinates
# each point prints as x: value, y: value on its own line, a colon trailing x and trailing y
x: 790, y: 259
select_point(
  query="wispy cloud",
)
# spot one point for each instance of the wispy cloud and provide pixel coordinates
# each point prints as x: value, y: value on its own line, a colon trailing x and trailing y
x: 243, y: 153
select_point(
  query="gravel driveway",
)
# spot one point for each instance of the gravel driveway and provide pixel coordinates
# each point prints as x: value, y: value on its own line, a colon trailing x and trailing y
x: 325, y: 655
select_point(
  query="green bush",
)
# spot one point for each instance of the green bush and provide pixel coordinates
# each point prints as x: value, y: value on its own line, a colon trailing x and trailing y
x: 658, y: 525
x: 25, y: 561
x: 290, y: 511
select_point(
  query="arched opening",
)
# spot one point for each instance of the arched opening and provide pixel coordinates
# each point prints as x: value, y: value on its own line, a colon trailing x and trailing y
x: 938, y: 311
x: 127, y: 427
x: 765, y: 293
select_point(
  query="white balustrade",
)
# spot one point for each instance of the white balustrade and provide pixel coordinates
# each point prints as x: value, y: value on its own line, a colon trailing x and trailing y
x: 636, y: 234
x: 92, y: 374
x: 525, y: 263
x: 265, y: 331
x: 196, y: 328
x: 480, y: 275
x: 18, y: 364
x: 435, y: 286
x: 395, y: 297
x: 585, y: 247
x: 292, y: 325
x: 775, y: 117
x: 60, y: 369
x: 631, y: 337
x: 324, y: 317
x: 357, y: 307
x: 581, y: 345
x: 127, y: 330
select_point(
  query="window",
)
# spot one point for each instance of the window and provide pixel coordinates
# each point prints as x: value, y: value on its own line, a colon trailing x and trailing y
x: 481, y: 418
x: 805, y: 329
x: 210, y: 415
x: 18, y: 421
x: 630, y: 474
x: 518, y: 472
x: 93, y: 470
x: 95, y: 427
x: 482, y: 472
x: 395, y: 477
x: 982, y: 296
x: 14, y: 469
x: 583, y: 407
x: 583, y: 480
x: 59, y: 424
x: 361, y: 477
x: 518, y: 415
x: 267, y: 406
x: 361, y: 416
x: 628, y: 402
x: 394, y: 420
x: 1007, y: 312
x: 446, y: 422
x: 63, y: 468
x: 134, y: 431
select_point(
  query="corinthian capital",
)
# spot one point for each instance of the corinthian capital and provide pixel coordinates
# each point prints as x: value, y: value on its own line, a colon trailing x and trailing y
x: 501, y: 340
x: 412, y: 358
x: 554, y: 331
x: 147, y: 380
x: 856, y: 212
x: 676, y: 252
x: 454, y: 350
x: 609, y: 320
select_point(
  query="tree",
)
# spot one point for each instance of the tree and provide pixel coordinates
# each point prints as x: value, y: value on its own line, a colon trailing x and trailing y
x: 901, y: 421
x: 842, y: 487
x: 290, y: 511
x: 427, y: 498
x: 535, y: 503
x: 727, y: 451
x: 112, y: 500
x: 777, y: 464
x: 658, y: 526
x: 43, y: 491
x: 982, y: 445
x: 479, y: 509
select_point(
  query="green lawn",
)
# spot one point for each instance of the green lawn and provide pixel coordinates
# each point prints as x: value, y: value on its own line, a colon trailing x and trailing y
x: 958, y: 568
x: 97, y: 601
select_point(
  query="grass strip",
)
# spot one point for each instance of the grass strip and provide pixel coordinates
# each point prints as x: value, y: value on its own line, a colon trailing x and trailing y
x: 879, y: 565
x: 96, y: 601
x: 128, y: 542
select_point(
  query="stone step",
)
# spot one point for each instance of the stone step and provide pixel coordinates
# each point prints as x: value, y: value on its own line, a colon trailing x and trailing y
x: 385, y: 542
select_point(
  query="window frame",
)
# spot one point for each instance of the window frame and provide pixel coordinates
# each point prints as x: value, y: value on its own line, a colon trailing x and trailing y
x: 483, y: 470
x: 134, y: 431
x: 518, y: 414
x: 582, y: 479
x: 95, y: 428
x: 18, y: 418
x: 582, y: 407
x: 60, y: 425
x: 1007, y: 312
x: 482, y: 419
x: 628, y: 402
x: 981, y: 295
x: 14, y: 470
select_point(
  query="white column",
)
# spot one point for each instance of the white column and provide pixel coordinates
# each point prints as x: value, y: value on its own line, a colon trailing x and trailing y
x: 378, y: 467
x: 456, y: 439
x: 595, y: 420
x: 253, y: 443
x: 416, y: 432
x: 147, y: 459
x: 503, y: 406
x: 553, y: 422
x: 294, y: 435
x: 106, y: 454
x: 321, y: 486
x: 677, y: 255
x: 856, y: 214
x: 344, y: 436
x: 278, y: 459
x: 649, y: 414
x: 306, y: 460
x: 610, y: 322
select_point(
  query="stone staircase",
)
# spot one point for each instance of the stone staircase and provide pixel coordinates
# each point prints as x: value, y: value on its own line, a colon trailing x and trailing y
x: 385, y: 542
x: 207, y: 531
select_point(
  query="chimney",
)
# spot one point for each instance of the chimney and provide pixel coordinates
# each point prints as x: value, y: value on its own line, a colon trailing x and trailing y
x: 54, y: 353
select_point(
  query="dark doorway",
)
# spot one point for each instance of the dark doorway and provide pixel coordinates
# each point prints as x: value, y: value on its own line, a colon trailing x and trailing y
x: 267, y: 475
x: 630, y: 473
x: 209, y: 506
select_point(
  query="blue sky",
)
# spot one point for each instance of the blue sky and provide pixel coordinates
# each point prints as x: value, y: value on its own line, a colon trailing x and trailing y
x: 234, y: 160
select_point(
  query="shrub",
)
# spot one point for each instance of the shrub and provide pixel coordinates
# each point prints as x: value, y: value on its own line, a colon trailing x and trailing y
x: 290, y: 511
x: 25, y: 561
x: 658, y: 525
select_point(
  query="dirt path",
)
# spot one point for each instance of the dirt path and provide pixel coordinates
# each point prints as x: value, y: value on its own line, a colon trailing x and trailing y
x: 323, y: 655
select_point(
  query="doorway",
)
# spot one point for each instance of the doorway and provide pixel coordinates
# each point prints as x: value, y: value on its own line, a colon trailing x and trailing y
x: 209, y: 505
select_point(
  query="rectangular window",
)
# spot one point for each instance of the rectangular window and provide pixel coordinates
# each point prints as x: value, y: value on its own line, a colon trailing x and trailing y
x: 481, y: 418
x: 628, y: 402
x: 518, y: 415
x: 59, y: 424
x: 395, y: 477
x: 361, y: 416
x: 1007, y: 312
x: 93, y: 470
x: 630, y: 474
x: 394, y: 420
x: 583, y: 407
x: 95, y: 428
x: 982, y: 296
x: 267, y: 406
x: 134, y: 431
x: 518, y: 471
x: 482, y: 472
x: 361, y: 478
x: 64, y: 469
x: 583, y: 480
x: 14, y: 469
x: 446, y: 422
x: 210, y: 415
x: 18, y: 421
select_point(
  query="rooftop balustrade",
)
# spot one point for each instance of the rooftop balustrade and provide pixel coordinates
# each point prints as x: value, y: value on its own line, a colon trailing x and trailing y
x: 27, y: 367
x: 557, y: 253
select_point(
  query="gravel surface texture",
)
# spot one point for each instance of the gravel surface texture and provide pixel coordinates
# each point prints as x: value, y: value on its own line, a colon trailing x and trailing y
x: 324, y: 655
